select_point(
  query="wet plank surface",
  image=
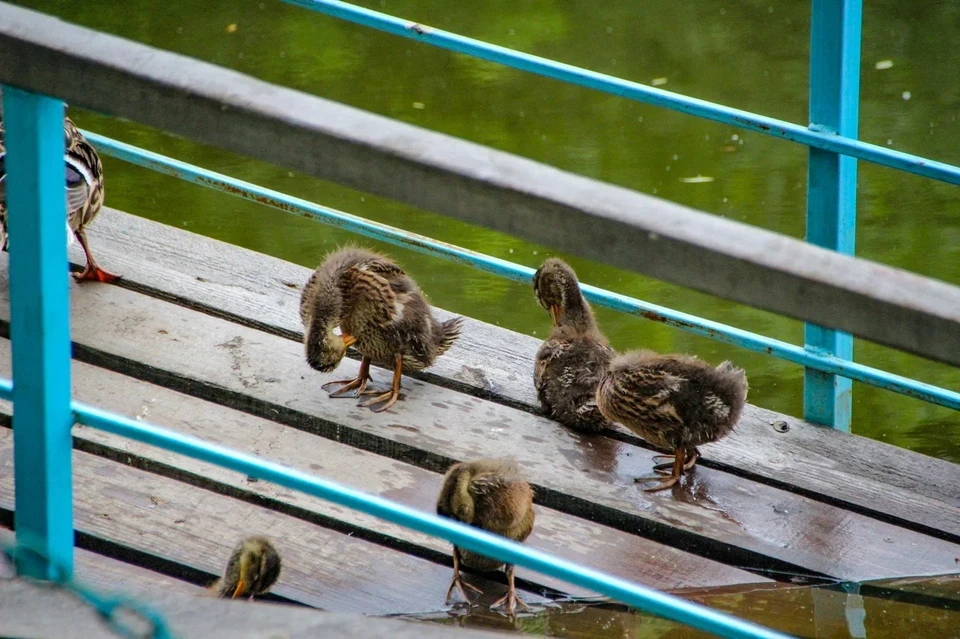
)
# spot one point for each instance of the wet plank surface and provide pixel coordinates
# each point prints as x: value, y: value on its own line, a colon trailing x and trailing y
x: 882, y: 481
x: 198, y: 528
x: 28, y: 609
x: 717, y: 514
x: 578, y: 540
x: 106, y: 575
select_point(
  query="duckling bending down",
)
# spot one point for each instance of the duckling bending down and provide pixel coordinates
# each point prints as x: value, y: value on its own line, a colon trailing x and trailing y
x: 677, y: 402
x: 380, y: 311
x: 572, y: 360
x: 488, y: 494
x: 84, y: 192
x: 252, y: 570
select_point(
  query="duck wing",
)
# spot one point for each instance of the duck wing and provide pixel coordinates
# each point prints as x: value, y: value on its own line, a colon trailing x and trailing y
x: 369, y: 295
x: 648, y: 393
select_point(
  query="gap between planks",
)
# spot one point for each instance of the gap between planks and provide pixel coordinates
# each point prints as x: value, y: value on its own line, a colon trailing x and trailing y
x: 195, y: 527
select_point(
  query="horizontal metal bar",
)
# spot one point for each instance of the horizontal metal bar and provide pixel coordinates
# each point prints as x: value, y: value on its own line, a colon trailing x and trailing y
x: 479, y: 185
x: 634, y: 90
x: 468, y: 537
x: 503, y: 268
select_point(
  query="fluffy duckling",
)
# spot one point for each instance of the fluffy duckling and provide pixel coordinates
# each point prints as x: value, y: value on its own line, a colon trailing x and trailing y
x: 572, y: 360
x: 84, y: 193
x: 252, y: 570
x: 381, y: 313
x: 676, y: 402
x: 488, y: 494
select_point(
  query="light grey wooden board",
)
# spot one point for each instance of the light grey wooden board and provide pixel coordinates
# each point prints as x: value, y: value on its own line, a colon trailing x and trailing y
x: 493, y: 363
x: 613, y: 551
x: 199, y: 528
x: 107, y: 575
x: 716, y: 514
x: 28, y: 609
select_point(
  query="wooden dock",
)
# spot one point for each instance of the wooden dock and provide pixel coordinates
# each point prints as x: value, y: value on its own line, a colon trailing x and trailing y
x: 204, y: 338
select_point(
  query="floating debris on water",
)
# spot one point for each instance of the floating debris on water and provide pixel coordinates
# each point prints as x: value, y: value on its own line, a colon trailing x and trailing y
x: 883, y: 64
x: 231, y: 28
x: 658, y: 82
x: 419, y: 105
x: 698, y: 179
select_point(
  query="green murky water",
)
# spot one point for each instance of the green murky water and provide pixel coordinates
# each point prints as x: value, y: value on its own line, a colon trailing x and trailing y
x: 898, y: 609
x: 750, y: 54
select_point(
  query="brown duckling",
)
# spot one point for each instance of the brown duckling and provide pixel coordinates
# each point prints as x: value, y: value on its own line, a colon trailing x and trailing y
x: 573, y: 358
x: 676, y: 402
x: 84, y: 193
x: 380, y: 311
x: 488, y: 494
x: 252, y: 570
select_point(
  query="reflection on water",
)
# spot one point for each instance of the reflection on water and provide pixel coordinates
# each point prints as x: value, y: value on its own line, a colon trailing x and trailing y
x: 750, y: 54
x: 881, y: 610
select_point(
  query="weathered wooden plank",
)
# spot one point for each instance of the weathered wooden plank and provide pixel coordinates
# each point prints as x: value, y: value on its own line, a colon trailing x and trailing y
x: 575, y: 539
x: 198, y: 528
x: 31, y: 610
x: 719, y: 515
x: 880, y: 480
x: 107, y: 574
x: 479, y: 185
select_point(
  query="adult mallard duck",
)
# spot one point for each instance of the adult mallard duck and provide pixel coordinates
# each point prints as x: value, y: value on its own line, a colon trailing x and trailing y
x: 488, y: 494
x: 573, y: 358
x: 381, y: 313
x: 84, y: 190
x: 252, y: 570
x: 675, y: 402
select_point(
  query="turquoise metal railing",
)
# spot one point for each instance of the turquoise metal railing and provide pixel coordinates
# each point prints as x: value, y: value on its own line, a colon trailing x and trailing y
x: 40, y: 317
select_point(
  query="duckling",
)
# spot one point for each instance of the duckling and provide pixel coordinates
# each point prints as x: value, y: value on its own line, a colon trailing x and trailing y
x: 84, y: 193
x: 382, y: 314
x: 252, y: 570
x: 572, y: 360
x: 488, y: 494
x: 677, y: 402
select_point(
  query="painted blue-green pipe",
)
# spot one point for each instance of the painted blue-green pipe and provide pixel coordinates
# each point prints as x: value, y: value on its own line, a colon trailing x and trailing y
x: 468, y: 537
x: 832, y: 187
x: 635, y: 91
x: 690, y: 323
x: 40, y: 331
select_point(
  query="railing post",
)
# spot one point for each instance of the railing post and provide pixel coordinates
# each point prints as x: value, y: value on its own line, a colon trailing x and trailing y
x: 40, y: 332
x: 832, y: 186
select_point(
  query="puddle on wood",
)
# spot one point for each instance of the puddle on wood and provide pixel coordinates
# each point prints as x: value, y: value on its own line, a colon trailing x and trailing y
x: 892, y: 609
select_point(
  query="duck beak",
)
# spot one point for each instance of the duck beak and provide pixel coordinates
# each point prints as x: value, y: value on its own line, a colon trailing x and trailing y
x: 555, y: 314
x: 241, y: 587
x: 348, y: 340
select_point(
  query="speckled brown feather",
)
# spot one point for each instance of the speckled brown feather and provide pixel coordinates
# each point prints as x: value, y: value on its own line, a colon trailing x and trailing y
x: 673, y: 401
x: 570, y: 363
x: 488, y: 494
x: 373, y: 300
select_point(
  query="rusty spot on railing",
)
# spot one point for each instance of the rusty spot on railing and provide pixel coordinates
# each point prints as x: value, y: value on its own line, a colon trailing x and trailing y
x: 247, y: 195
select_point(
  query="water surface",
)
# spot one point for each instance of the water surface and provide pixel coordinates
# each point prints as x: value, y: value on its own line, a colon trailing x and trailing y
x: 896, y: 609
